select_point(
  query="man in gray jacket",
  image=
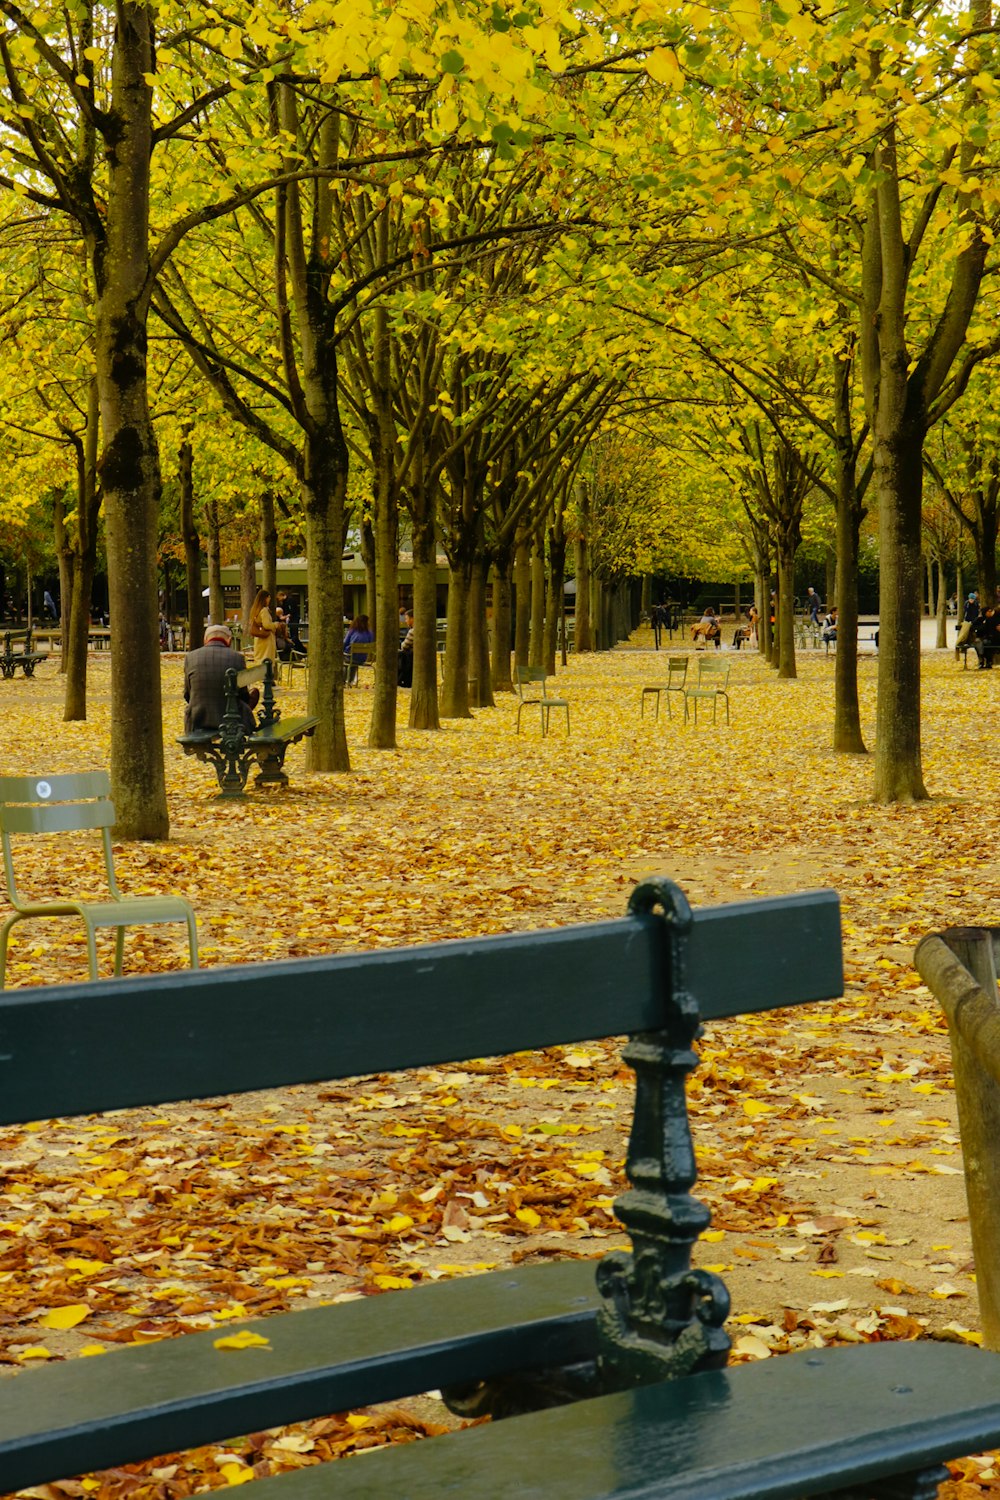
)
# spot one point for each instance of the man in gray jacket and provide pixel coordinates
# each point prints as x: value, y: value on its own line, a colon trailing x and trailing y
x: 205, y: 681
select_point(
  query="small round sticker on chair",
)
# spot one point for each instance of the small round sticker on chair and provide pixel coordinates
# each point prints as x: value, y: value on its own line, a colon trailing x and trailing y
x: 43, y: 790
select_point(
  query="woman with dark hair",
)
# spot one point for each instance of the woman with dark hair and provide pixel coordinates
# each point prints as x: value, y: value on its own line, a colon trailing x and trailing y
x: 358, y: 634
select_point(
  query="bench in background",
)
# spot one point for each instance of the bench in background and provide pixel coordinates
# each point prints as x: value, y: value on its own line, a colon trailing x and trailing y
x: 18, y: 652
x: 633, y: 1361
x: 233, y: 748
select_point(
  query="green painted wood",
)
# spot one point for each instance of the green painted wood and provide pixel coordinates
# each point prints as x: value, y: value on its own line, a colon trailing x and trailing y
x: 219, y: 1031
x: 85, y: 1415
x: 281, y: 730
x: 804, y: 1424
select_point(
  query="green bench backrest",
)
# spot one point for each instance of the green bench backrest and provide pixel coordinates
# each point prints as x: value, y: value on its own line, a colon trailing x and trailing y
x: 150, y: 1039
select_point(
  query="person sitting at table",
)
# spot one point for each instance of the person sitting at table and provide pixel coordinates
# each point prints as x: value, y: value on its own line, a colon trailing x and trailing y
x: 357, y: 635
x: 205, y: 682
x: 708, y: 628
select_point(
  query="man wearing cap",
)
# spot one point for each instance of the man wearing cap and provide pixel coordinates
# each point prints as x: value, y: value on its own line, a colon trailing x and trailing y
x: 205, y: 681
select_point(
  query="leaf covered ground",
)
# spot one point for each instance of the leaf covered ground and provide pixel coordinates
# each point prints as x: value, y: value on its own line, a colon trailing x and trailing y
x: 827, y: 1141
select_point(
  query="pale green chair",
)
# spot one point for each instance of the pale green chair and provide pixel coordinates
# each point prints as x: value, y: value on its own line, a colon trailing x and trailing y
x: 712, y: 684
x: 677, y: 667
x: 63, y: 804
x: 531, y: 693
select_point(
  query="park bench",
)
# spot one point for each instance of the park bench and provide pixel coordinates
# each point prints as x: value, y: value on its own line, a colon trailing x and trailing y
x: 233, y: 748
x: 18, y: 652
x: 614, y: 1385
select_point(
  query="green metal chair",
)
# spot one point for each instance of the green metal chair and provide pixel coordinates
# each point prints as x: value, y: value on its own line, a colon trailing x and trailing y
x: 531, y: 693
x: 677, y: 667
x: 713, y: 681
x: 63, y: 804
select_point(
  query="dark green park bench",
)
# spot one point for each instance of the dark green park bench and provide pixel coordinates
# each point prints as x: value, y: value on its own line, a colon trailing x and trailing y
x: 18, y: 652
x: 233, y: 748
x: 613, y: 1385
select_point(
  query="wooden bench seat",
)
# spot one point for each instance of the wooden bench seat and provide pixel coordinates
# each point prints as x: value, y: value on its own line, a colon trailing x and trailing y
x: 825, y: 1422
x: 632, y: 1358
x: 232, y: 748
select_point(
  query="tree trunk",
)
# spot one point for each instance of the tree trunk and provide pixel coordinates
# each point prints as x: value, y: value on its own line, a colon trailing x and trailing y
x: 368, y: 558
x: 424, y: 693
x: 248, y: 586
x: 130, y: 469
x: 192, y: 547
x: 847, y: 736
x: 582, y: 635
x: 479, y: 637
x: 557, y: 581
x: 76, y: 606
x: 899, y: 477
x: 536, y: 641
x: 942, y: 608
x: 216, y: 597
x: 382, y: 730
x: 268, y: 544
x: 522, y: 600
x: 500, y: 675
x: 786, y: 612
x: 455, y: 691
x: 324, y: 491
x: 67, y: 574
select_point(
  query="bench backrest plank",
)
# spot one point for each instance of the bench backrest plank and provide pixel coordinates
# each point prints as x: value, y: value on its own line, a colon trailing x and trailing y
x: 194, y: 1034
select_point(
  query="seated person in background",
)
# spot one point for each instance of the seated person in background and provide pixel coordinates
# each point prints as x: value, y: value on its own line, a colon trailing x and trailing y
x: 404, y: 675
x: 358, y: 634
x: 986, y: 633
x: 205, y: 682
x: 830, y: 625
x: 743, y: 632
x: 708, y: 628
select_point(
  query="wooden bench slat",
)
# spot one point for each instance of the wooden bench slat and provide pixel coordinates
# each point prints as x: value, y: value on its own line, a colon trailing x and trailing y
x: 802, y: 1424
x: 220, y: 1031
x: 182, y: 1392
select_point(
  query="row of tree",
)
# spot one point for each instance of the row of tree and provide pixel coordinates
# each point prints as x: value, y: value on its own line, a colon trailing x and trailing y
x: 516, y: 273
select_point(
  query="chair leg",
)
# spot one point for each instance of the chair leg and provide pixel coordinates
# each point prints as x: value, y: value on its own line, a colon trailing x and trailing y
x: 119, y: 949
x: 192, y: 926
x: 4, y: 935
x: 92, y: 951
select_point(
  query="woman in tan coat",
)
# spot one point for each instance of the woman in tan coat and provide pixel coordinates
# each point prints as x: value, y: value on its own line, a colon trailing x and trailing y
x: 264, y: 629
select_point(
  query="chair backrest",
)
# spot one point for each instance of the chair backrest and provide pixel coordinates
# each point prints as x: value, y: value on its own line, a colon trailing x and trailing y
x: 526, y: 677
x: 361, y: 654
x: 677, y: 667
x: 713, y: 673
x: 55, y: 804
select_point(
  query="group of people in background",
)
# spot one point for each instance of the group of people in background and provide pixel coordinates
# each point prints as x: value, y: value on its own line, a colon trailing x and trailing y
x: 980, y: 629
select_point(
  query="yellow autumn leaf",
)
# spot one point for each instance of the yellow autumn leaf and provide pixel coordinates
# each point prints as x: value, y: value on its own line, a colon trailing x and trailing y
x: 757, y: 1107
x: 37, y: 1351
x: 529, y: 1217
x: 399, y: 1222
x: 245, y: 1339
x: 65, y: 1317
x: 236, y: 1473
x: 89, y: 1350
x: 392, y: 1283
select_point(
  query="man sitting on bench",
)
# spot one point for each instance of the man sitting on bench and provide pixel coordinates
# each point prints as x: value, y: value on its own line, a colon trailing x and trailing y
x: 205, y: 682
x: 986, y: 633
